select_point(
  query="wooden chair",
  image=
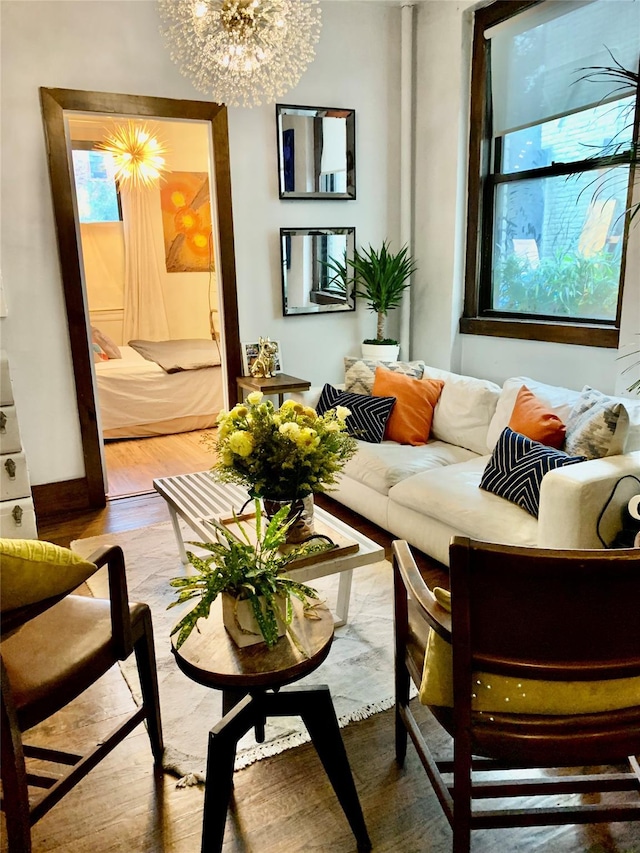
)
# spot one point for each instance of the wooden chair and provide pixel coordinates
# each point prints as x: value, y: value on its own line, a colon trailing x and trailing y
x: 51, y: 652
x: 529, y: 614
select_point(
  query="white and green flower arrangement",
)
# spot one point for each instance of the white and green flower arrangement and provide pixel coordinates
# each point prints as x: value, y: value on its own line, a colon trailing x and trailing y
x: 251, y: 571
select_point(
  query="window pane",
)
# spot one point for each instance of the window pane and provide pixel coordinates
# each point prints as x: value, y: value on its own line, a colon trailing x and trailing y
x: 557, y: 245
x: 95, y: 186
x: 604, y: 130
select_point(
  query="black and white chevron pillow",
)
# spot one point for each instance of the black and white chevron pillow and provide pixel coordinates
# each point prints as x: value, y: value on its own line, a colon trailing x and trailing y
x: 517, y: 466
x: 369, y: 415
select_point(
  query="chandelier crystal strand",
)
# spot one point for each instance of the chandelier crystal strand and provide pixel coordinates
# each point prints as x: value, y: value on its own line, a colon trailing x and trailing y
x: 242, y: 52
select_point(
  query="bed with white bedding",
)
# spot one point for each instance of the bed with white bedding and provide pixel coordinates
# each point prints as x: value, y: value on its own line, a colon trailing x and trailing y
x: 140, y: 398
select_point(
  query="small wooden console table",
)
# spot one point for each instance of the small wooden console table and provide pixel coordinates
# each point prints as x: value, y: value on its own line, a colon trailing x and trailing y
x: 279, y: 384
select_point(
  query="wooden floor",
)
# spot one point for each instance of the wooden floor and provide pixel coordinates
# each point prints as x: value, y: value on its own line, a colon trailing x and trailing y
x: 282, y: 804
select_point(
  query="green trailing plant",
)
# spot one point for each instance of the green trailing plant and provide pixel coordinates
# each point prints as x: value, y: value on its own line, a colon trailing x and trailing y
x: 378, y: 276
x: 245, y: 570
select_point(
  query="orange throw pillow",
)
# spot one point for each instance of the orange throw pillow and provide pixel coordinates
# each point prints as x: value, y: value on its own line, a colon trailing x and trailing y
x: 410, y: 419
x: 532, y: 418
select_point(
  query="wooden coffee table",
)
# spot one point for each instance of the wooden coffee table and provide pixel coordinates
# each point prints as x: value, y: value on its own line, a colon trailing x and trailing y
x: 201, y: 502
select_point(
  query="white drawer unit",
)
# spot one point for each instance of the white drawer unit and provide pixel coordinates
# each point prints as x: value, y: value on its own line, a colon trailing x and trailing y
x: 17, y: 514
x: 18, y: 519
x: 9, y: 430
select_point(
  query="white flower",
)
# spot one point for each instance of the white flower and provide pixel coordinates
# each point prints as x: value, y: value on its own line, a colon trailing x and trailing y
x: 254, y: 397
x: 342, y: 412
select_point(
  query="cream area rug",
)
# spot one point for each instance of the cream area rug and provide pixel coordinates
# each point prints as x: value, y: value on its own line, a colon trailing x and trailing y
x: 358, y: 670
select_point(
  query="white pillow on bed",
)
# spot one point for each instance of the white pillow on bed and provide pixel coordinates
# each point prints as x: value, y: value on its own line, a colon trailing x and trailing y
x: 105, y: 343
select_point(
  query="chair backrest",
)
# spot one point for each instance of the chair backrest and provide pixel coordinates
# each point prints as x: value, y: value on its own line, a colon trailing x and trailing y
x: 547, y: 614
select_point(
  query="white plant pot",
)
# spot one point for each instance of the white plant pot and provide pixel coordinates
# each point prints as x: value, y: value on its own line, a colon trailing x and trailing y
x: 381, y: 352
x: 238, y: 619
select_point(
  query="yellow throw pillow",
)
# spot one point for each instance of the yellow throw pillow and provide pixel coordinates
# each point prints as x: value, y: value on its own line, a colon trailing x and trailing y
x: 31, y: 571
x: 499, y: 693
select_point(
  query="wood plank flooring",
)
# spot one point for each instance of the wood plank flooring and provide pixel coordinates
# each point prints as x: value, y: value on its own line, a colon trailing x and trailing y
x: 282, y: 804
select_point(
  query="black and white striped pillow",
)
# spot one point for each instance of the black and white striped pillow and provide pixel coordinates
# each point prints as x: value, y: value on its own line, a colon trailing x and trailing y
x: 517, y: 466
x: 369, y: 415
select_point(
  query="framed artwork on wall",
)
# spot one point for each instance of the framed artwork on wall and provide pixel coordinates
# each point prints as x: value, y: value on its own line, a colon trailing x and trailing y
x: 250, y: 351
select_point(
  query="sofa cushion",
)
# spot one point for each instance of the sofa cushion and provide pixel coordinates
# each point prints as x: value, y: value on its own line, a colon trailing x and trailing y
x: 517, y: 466
x: 559, y: 400
x: 359, y: 373
x: 531, y: 417
x: 381, y: 466
x: 597, y: 426
x: 464, y: 410
x: 451, y: 496
x: 410, y: 420
x: 368, y: 415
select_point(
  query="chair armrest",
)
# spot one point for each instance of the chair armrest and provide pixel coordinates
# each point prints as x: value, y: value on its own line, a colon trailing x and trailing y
x: 406, y: 571
x: 113, y: 558
x: 572, y: 499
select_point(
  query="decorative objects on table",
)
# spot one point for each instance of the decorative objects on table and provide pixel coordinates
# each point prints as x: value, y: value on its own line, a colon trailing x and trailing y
x: 380, y: 277
x: 251, y: 351
x: 242, y: 52
x: 264, y: 365
x: 309, y: 257
x: 137, y: 154
x: 283, y: 455
x: 242, y: 572
x: 316, y: 152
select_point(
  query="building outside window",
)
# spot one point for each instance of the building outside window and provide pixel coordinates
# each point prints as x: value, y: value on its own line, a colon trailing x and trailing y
x: 550, y: 175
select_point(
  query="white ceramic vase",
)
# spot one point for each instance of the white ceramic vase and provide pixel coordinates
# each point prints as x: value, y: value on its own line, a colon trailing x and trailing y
x: 381, y: 352
x: 241, y: 625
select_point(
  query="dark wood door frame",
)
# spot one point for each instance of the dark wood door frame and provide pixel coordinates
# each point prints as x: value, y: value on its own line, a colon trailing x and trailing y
x: 89, y: 491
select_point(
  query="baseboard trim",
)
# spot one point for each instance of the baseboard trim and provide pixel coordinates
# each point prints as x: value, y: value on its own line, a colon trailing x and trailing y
x: 51, y: 499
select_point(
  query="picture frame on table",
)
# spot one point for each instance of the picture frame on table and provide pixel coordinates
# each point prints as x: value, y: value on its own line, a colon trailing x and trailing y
x: 250, y: 351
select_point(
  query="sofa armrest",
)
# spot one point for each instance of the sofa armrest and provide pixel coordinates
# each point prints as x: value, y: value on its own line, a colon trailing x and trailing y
x: 311, y: 396
x: 572, y: 499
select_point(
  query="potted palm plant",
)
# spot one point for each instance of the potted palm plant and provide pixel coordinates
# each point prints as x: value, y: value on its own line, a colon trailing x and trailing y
x: 380, y: 277
x: 247, y: 570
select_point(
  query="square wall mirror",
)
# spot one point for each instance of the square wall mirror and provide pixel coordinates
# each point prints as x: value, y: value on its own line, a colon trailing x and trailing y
x: 316, y: 152
x: 309, y: 285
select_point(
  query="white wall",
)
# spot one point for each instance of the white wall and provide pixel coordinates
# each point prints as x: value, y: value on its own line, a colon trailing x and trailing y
x: 442, y: 81
x: 115, y: 46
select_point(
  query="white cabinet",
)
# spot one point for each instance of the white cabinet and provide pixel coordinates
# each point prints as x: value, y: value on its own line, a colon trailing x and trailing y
x: 17, y: 515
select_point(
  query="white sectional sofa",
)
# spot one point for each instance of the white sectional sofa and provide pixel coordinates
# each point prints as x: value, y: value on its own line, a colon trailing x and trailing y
x: 427, y: 494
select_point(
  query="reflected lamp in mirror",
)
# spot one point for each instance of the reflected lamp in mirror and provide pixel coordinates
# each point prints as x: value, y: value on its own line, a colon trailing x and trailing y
x: 316, y: 152
x: 310, y: 282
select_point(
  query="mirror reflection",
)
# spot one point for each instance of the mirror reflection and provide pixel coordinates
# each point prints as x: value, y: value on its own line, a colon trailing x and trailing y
x: 316, y: 152
x: 309, y: 284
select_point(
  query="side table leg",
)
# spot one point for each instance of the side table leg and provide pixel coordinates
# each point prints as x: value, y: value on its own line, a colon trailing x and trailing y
x: 221, y: 754
x: 178, y: 534
x: 319, y: 716
x: 344, y: 595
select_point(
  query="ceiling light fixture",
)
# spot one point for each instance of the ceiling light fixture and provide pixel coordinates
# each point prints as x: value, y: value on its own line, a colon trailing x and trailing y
x: 137, y: 154
x: 242, y: 52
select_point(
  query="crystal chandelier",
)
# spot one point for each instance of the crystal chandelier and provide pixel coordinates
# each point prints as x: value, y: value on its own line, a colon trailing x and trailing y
x: 137, y: 155
x: 242, y: 52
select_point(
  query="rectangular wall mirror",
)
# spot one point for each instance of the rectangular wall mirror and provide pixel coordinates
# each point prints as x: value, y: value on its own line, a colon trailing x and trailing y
x: 316, y: 152
x: 309, y: 286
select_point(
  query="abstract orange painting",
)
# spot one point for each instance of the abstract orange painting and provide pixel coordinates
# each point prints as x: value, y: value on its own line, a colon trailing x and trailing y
x: 186, y: 222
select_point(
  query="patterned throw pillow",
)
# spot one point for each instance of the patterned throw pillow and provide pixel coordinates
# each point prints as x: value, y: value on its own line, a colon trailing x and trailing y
x: 517, y: 466
x: 359, y: 373
x: 369, y: 415
x: 598, y: 425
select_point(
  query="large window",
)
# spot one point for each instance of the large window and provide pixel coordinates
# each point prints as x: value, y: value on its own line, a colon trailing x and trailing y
x: 550, y: 169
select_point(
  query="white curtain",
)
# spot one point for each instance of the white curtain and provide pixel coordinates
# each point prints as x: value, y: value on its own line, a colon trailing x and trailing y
x: 144, y: 312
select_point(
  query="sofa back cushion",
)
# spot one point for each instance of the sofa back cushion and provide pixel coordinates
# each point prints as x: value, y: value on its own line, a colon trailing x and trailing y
x: 465, y: 409
x: 558, y: 400
x: 359, y: 373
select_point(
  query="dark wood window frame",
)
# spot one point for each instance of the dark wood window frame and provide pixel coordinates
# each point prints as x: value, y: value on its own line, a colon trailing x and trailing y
x: 478, y: 318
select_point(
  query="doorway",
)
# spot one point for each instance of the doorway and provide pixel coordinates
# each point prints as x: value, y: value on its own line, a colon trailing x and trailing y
x: 58, y: 105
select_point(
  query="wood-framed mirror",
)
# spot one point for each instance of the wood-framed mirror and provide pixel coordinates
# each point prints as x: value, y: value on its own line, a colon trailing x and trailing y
x: 310, y: 284
x: 316, y: 152
x: 57, y: 107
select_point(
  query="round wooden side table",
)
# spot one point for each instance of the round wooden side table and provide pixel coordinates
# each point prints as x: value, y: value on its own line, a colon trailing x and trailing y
x: 250, y: 679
